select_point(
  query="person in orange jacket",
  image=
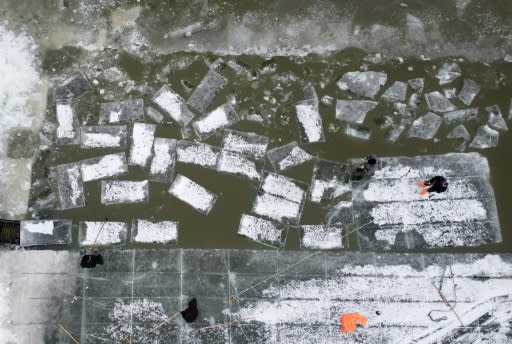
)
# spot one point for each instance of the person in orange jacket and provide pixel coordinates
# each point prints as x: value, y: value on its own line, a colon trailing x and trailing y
x: 349, y: 321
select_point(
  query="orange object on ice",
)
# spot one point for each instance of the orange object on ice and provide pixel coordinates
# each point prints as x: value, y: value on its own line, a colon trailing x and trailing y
x: 349, y: 321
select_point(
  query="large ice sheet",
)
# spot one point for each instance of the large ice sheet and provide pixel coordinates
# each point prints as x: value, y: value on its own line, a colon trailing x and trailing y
x: 220, y: 118
x: 310, y: 121
x: 262, y: 230
x: 468, y: 91
x: 288, y: 156
x: 70, y: 186
x: 164, y: 159
x: 330, y: 180
x: 72, y: 88
x: 45, y: 232
x: 366, y: 84
x: 396, y: 92
x: 496, y: 120
x: 460, y: 116
x: 250, y: 144
x: 438, y: 102
x: 425, y: 127
x: 193, y: 194
x: 143, y: 136
x: 67, y: 124
x: 353, y: 111
x: 197, y: 154
x: 238, y: 164
x: 321, y: 237
x: 109, y: 165
x: 154, y: 232
x: 207, y: 90
x: 115, y: 136
x: 124, y: 191
x: 485, y: 137
x: 102, y: 233
x: 121, y: 111
x: 174, y: 105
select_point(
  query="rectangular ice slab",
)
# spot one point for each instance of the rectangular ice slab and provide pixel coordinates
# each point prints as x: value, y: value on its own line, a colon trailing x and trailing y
x: 67, y: 124
x: 154, y: 232
x: 262, y: 230
x: 102, y: 233
x: 197, y: 154
x: 310, y: 121
x: 353, y: 111
x: 249, y: 144
x: 115, y: 136
x: 288, y: 156
x: 174, y: 105
x: 164, y: 159
x: 220, y: 118
x: 207, y: 90
x: 321, y: 237
x: 331, y: 180
x: 69, y: 184
x: 124, y: 191
x: 238, y: 164
x: 142, y: 142
x: 45, y: 232
x: 193, y: 194
x: 121, y: 111
x: 366, y: 84
x: 109, y: 165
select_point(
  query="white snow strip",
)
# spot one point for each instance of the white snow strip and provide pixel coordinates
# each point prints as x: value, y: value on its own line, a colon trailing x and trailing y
x: 311, y: 122
x: 321, y: 237
x: 124, y: 191
x: 161, y: 232
x: 42, y: 227
x: 235, y: 163
x: 66, y: 118
x: 193, y: 194
x: 284, y: 187
x: 106, y: 166
x: 276, y: 208
x: 259, y: 229
x: 109, y: 233
x: 197, y: 153
x: 142, y: 136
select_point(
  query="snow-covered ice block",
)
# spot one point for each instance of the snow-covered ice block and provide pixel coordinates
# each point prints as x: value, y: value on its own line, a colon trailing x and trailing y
x: 310, y: 122
x: 284, y: 187
x: 357, y: 132
x: 115, y: 136
x: 330, y: 180
x: 109, y: 165
x: 510, y: 111
x: 425, y: 127
x: 396, y: 92
x: 164, y: 160
x: 45, y: 232
x: 262, y: 230
x: 124, y: 191
x: 67, y: 124
x: 321, y: 237
x: 70, y: 186
x: 417, y: 84
x: 195, y: 153
x: 415, y: 31
x: 448, y: 73
x: 174, y: 105
x: 288, y: 156
x: 207, y: 90
x: 485, y: 137
x: 220, y: 118
x: 238, y: 164
x: 72, y: 88
x: 193, y: 194
x: 143, y: 135
x: 468, y: 91
x: 277, y: 208
x: 339, y: 213
x: 438, y: 102
x: 353, y: 111
x: 249, y: 144
x: 154, y: 232
x: 101, y: 233
x: 459, y: 132
x: 496, y: 120
x: 121, y: 111
x: 395, y: 131
x: 366, y: 84
x: 460, y: 116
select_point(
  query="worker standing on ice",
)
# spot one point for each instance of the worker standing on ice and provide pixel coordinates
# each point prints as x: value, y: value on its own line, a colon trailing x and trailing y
x: 366, y: 169
x: 436, y: 184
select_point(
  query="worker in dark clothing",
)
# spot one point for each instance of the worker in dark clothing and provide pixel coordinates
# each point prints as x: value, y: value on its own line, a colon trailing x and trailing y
x: 436, y: 184
x: 91, y: 260
x: 366, y: 169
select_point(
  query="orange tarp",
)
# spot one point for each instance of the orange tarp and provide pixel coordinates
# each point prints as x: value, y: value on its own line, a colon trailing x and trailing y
x: 349, y: 321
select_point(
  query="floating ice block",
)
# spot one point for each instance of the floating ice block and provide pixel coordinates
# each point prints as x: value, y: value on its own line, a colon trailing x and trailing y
x: 357, y: 132
x: 366, y: 84
x: 485, y: 137
x: 164, y: 159
x: 193, y: 194
x: 310, y: 121
x: 496, y: 120
x: 277, y: 208
x: 448, y: 73
x: 115, y: 136
x: 102, y: 233
x: 321, y: 237
x: 425, y: 127
x: 109, y: 165
x: 121, y: 111
x: 156, y: 232
x: 238, y: 164
x: 353, y: 111
x: 438, y: 102
x: 288, y: 156
x: 460, y: 116
x: 459, y: 132
x: 261, y: 230
x: 124, y: 191
x: 396, y: 92
x: 331, y: 179
x: 45, y: 232
x: 222, y: 117
x: 250, y: 144
x: 197, y: 154
x: 143, y: 136
x: 174, y: 105
x: 72, y: 88
x: 207, y: 90
x: 468, y: 91
x: 70, y: 187
x: 283, y: 187
x: 67, y: 129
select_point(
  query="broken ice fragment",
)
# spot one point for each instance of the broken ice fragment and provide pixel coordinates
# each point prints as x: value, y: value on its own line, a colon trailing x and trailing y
x: 496, y: 120
x: 310, y: 122
x: 327, y: 100
x: 459, y: 132
x: 485, y: 137
x: 236, y: 163
x: 353, y: 111
x: 101, y: 233
x: 110, y: 165
x: 287, y: 156
x: 154, y: 232
x: 164, y: 160
x: 425, y: 127
x: 154, y: 114
x: 193, y: 194
x: 366, y: 84
x: 415, y: 29
x: 438, y: 102
x: 250, y: 144
x: 448, y: 73
x: 207, y: 90
x: 330, y: 180
x: 70, y: 187
x: 143, y: 135
x: 321, y: 237
x: 124, y: 191
x: 284, y: 187
x: 121, y: 111
x: 67, y: 130
x: 395, y: 131
x: 174, y: 105
x: 72, y: 88
x: 114, y: 136
x: 220, y: 118
x: 395, y: 92
x: 417, y: 84
x: 45, y: 232
x: 357, y: 132
x: 459, y: 116
x: 197, y: 153
x: 261, y: 230
x: 469, y: 91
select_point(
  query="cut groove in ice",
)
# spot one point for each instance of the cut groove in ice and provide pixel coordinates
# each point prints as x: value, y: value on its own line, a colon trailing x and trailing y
x: 262, y: 230
x: 250, y: 144
x: 206, y: 91
x: 164, y: 160
x: 200, y: 154
x: 109, y: 165
x: 485, y: 137
x: 321, y: 237
x: 288, y: 156
x: 143, y: 136
x: 174, y: 105
x: 220, y: 118
x: 353, y: 111
x: 366, y: 84
x: 154, y: 232
x: 438, y: 102
x: 67, y: 129
x: 425, y: 127
x: 193, y: 194
x: 70, y: 186
x: 238, y: 164
x: 114, y: 136
x: 124, y: 191
x: 102, y: 233
x: 121, y: 111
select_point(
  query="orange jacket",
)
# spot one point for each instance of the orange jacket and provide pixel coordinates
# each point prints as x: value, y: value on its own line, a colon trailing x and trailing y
x: 349, y: 321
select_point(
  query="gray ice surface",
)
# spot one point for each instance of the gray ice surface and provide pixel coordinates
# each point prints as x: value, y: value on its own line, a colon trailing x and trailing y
x: 124, y: 191
x: 330, y: 181
x: 396, y: 92
x: 425, y: 127
x: 321, y: 237
x: 438, y: 102
x: 174, y: 105
x: 459, y: 132
x: 164, y: 160
x: 114, y: 136
x: 207, y: 90
x: 485, y: 137
x: 197, y: 153
x: 154, y: 114
x: 154, y: 232
x: 468, y: 91
x: 366, y: 84
x: 130, y: 110
x: 246, y: 143
x: 496, y: 120
x: 67, y: 124
x: 70, y: 186
x: 395, y: 131
x: 353, y: 111
x: 217, y: 119
x: 72, y: 88
x: 357, y: 132
x: 45, y: 232
x: 417, y: 84
x: 460, y: 116
x: 288, y: 156
x: 448, y: 73
x: 100, y: 233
